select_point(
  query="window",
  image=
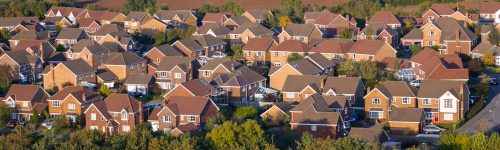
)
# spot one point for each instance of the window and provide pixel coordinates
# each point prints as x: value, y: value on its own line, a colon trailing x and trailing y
x: 353, y: 56
x: 70, y: 55
x: 191, y: 118
x: 25, y: 104
x: 302, y: 39
x: 327, y: 56
x: 376, y: 114
x: 276, y: 54
x: 206, y: 74
x: 426, y: 101
x: 376, y: 101
x: 428, y: 115
x: 125, y: 128
x: 448, y: 103
x: 431, y: 43
x: 11, y: 104
x: 257, y: 53
x: 167, y: 119
x: 277, y: 63
x: 337, y: 56
x: 124, y: 116
x: 71, y: 106
x: 177, y: 75
x: 314, y: 128
x: 448, y: 116
x: 248, y: 53
x: 38, y: 65
x: 56, y: 104
x: 290, y: 95
x: 158, y: 60
x: 131, y: 67
x: 93, y: 116
x: 431, y: 33
x: 406, y: 100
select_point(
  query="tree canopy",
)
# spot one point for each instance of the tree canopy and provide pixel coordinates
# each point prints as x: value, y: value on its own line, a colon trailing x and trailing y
x: 293, y: 57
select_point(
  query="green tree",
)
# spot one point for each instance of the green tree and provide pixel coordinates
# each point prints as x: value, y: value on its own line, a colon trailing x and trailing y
x: 235, y: 8
x: 270, y: 21
x: 247, y: 112
x: 346, y: 34
x: 5, y: 114
x: 149, y: 6
x: 349, y: 143
x: 284, y: 21
x: 307, y: 142
x: 160, y: 38
x: 139, y: 138
x: 4, y: 36
x: 293, y: 57
x: 60, y: 48
x: 494, y: 37
x: 208, y: 8
x: 488, y: 59
x: 36, y: 117
x: 368, y: 71
x: 347, y: 68
x: 6, y: 77
x: 230, y: 135
x: 104, y: 91
x: 415, y: 49
x: 236, y: 52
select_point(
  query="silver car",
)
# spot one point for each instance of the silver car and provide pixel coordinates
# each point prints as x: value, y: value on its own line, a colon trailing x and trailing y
x: 428, y: 129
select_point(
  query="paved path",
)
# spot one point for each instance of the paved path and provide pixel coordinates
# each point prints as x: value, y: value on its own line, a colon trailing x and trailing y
x: 488, y: 119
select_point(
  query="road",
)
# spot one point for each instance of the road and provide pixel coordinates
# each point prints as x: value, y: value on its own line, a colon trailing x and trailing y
x: 487, y: 119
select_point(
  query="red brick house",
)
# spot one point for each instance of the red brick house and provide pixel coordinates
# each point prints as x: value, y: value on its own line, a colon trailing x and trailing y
x: 24, y: 99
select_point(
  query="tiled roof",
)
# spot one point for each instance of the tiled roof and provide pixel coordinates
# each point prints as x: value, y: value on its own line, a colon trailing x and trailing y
x: 385, y: 17
x: 397, y: 89
x: 489, y: 7
x: 297, y: 83
x: 169, y: 62
x: 23, y: 92
x: 169, y: 14
x: 370, y: 47
x: 125, y: 58
x: 13, y: 21
x: 259, y: 13
x: 137, y: 16
x: 77, y: 92
x: 293, y: 46
x: 70, y: 33
x: 299, y: 29
x: 215, y: 17
x: 91, y: 45
x: 342, y: 85
x: 320, y: 61
x: 198, y: 87
x: 217, y: 29
x: 333, y: 46
x: 167, y: 50
x: 255, y: 28
x: 442, y: 9
x: 139, y: 78
x: 119, y: 102
x: 436, y: 88
x: 369, y: 135
x: 407, y: 114
x: 188, y: 105
x: 259, y: 44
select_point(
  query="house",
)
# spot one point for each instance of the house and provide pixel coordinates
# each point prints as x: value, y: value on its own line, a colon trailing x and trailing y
x: 107, y: 78
x: 257, y: 51
x: 369, y: 135
x: 26, y: 68
x: 406, y: 120
x: 184, y: 19
x: 109, y: 17
x: 117, y: 113
x: 69, y: 36
x: 386, y: 18
x: 40, y: 48
x: 443, y: 101
x: 197, y: 46
x: 72, y: 13
x: 235, y: 22
x: 216, y: 30
x: 88, y: 50
x: 350, y: 87
x: 331, y: 25
x: 484, y: 48
x: 248, y: 31
x: 257, y: 15
x: 115, y: 38
x: 182, y: 111
x: 298, y: 88
x: 444, y: 10
x: 71, y: 102
x: 27, y: 35
x: 24, y: 99
x: 72, y: 72
x: 50, y: 23
x: 89, y: 25
x: 428, y: 64
x: 10, y: 23
x: 280, y: 54
x: 123, y: 64
x: 489, y: 12
x: 185, y: 128
x: 312, y: 17
x: 194, y: 88
x: 238, y: 80
x: 215, y: 18
x: 134, y: 20
x: 139, y: 83
x: 374, y: 50
x: 387, y: 96
x: 27, y: 26
x: 174, y: 70
x: 3, y: 47
x: 152, y: 27
x: 315, y: 65
x: 380, y: 31
x: 277, y: 113
x: 333, y: 49
x: 450, y: 36
x: 157, y: 53
x: 302, y: 32
x: 316, y: 117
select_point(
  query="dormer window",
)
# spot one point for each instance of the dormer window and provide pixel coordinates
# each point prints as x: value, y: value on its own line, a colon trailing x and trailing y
x: 124, y: 116
x: 448, y: 103
x: 431, y: 33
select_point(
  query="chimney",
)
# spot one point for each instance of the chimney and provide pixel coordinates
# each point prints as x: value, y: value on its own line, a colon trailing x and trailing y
x: 366, y: 20
x: 347, y: 17
x: 140, y: 113
x: 51, y: 66
x: 368, y: 89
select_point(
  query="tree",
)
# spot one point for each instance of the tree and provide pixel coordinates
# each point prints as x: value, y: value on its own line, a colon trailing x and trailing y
x: 230, y: 135
x: 104, y: 91
x: 208, y: 8
x: 494, y: 37
x: 368, y: 71
x: 488, y: 59
x: 307, y: 142
x: 5, y: 114
x: 36, y: 117
x: 346, y: 34
x: 270, y: 21
x: 293, y: 57
x: 347, y: 68
x: 60, y: 48
x: 284, y: 21
x: 4, y: 36
x: 370, y: 33
x: 247, y: 112
x: 6, y: 77
x: 415, y: 49
x: 149, y: 6
x: 234, y: 8
x: 160, y: 38
x: 236, y: 52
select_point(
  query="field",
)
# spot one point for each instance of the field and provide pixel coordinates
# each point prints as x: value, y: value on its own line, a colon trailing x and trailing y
x: 194, y: 4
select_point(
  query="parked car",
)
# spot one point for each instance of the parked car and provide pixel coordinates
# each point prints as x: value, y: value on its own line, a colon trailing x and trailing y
x: 472, y: 99
x: 493, y: 81
x: 432, y: 129
x: 353, y: 118
x: 415, y: 83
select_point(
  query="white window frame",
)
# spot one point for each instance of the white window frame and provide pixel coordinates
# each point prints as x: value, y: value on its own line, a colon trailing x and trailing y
x: 56, y: 103
x: 431, y: 33
x: 124, y: 116
x: 379, y: 114
x: 445, y: 104
x: 126, y: 128
x: 167, y: 119
x: 290, y: 95
x: 93, y: 116
x: 376, y: 101
x: 25, y: 104
x: 314, y: 127
x: 448, y: 117
x: 192, y: 118
x: 206, y: 74
x: 71, y: 106
x: 426, y: 101
x: 177, y: 75
x: 276, y: 54
x: 406, y: 100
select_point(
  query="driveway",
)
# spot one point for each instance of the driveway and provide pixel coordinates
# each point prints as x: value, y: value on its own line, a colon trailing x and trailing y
x: 488, y: 119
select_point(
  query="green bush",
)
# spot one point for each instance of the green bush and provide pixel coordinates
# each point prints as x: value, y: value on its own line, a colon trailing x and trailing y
x: 247, y: 112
